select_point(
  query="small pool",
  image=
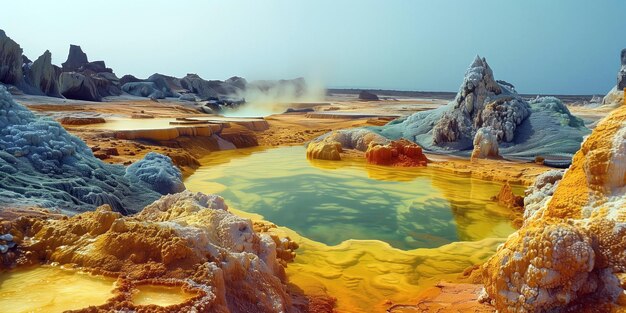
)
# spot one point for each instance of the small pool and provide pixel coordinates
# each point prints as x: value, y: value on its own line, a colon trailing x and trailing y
x: 335, y: 201
x: 52, y: 289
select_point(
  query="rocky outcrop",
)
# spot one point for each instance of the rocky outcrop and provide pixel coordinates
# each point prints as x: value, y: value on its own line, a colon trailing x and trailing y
x: 185, y: 240
x: 485, y: 144
x: 75, y: 59
x: 44, y: 76
x: 170, y: 86
x: 84, y: 80
x: 204, y: 89
x: 143, y: 89
x: 10, y: 61
x: 42, y: 165
x: 396, y: 153
x: 621, y: 76
x: 238, y: 82
x: 367, y: 96
x: 75, y: 85
x: 481, y: 102
x: 570, y: 252
x: 129, y: 79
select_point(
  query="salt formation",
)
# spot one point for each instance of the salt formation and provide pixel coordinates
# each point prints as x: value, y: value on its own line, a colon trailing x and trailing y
x: 43, y: 165
x: 481, y: 101
x: 485, y: 144
x: 540, y: 192
x: 615, y: 97
x: 158, y: 171
x: 189, y: 240
x: 543, y: 127
x: 571, y: 250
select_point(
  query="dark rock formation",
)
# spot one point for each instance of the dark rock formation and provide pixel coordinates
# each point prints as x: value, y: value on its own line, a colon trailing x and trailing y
x: 170, y: 86
x: 621, y: 77
x: 129, y: 79
x: 75, y: 59
x: 84, y: 80
x: 10, y: 61
x: 367, y: 96
x: 44, y: 76
x: 75, y: 85
x: 143, y: 89
x: 204, y: 89
x: 238, y: 82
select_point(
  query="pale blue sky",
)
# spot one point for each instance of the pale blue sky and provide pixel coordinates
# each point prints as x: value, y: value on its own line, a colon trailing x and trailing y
x: 541, y: 46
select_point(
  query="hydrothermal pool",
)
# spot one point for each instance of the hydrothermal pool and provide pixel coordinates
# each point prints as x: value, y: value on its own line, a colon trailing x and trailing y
x: 52, y: 289
x: 159, y: 295
x: 335, y: 201
x: 364, y: 275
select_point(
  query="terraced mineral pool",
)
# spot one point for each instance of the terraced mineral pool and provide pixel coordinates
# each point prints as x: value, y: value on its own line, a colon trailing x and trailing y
x: 159, y: 295
x: 122, y: 123
x: 335, y: 201
x: 52, y: 289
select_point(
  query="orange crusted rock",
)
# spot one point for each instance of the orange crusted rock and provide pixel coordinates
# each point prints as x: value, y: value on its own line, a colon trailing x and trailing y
x: 397, y: 153
x: 569, y: 252
x: 543, y: 268
x: 507, y: 198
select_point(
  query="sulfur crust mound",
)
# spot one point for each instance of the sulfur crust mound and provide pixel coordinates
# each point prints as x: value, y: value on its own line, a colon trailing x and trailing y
x: 569, y: 252
x: 189, y: 240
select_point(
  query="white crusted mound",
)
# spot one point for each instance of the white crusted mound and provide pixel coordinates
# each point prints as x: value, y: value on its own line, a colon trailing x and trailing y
x: 245, y: 262
x: 485, y: 144
x: 42, y: 165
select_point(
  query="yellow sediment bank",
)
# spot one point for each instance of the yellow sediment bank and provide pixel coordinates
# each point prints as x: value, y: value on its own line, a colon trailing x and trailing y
x: 370, y: 275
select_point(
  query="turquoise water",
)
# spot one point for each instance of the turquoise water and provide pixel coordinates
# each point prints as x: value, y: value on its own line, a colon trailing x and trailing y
x: 333, y: 201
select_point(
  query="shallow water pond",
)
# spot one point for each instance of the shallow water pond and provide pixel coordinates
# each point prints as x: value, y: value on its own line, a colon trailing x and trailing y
x: 52, y: 289
x: 334, y: 201
x: 160, y: 295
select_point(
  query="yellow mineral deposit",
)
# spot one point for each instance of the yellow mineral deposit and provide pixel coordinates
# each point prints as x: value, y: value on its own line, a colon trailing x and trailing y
x: 52, y: 289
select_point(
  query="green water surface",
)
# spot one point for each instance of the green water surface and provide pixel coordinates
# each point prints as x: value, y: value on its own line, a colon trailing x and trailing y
x: 333, y: 201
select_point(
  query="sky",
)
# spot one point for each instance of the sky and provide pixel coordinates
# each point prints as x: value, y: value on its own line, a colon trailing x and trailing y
x: 540, y: 46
